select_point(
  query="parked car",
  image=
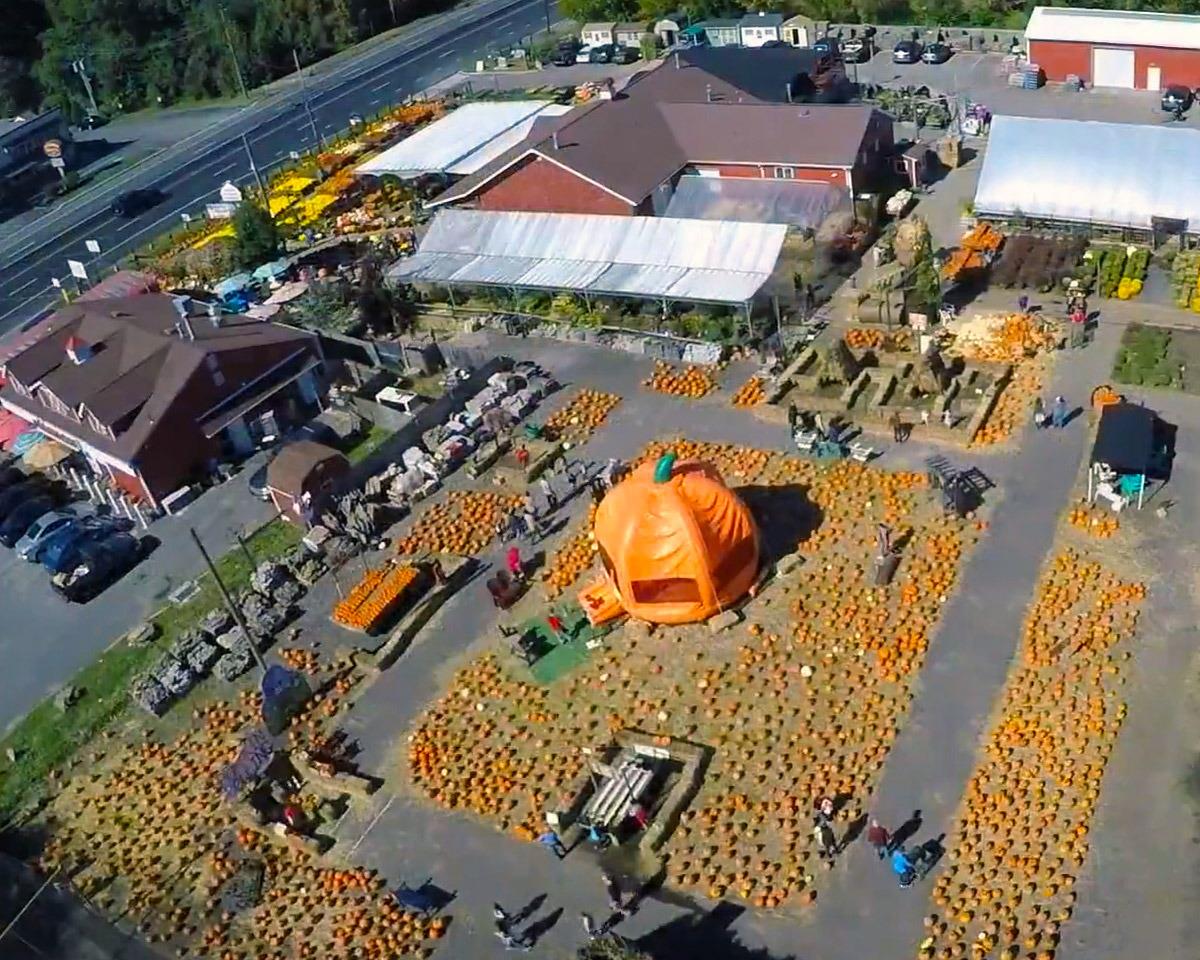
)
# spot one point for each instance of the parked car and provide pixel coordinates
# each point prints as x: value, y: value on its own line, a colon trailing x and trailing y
x: 93, y: 121
x: 564, y: 53
x: 100, y: 564
x: 23, y: 517
x: 907, y: 51
x: 1176, y: 98
x: 42, y: 529
x: 18, y: 493
x: 9, y: 476
x: 133, y: 202
x: 626, y: 54
x: 827, y: 47
x: 937, y: 53
x: 858, y: 49
x: 602, y: 53
x: 774, y: 44
x: 584, y: 54
x: 60, y: 551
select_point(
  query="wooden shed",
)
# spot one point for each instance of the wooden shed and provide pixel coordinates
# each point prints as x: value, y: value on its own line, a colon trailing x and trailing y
x: 304, y: 467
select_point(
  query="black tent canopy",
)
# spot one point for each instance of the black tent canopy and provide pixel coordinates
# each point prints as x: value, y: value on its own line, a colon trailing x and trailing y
x: 1125, y: 444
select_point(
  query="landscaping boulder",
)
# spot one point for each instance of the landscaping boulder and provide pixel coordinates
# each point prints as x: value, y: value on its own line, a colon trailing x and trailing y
x: 724, y: 620
x: 268, y: 576
x: 142, y: 635
x: 201, y: 656
x: 216, y: 621
x: 174, y: 675
x: 233, y: 664
x: 67, y: 697
x: 150, y: 695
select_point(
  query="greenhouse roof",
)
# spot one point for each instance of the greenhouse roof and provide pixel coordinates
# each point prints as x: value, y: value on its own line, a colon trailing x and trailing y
x: 1085, y: 171
x: 794, y: 202
x: 464, y: 140
x: 701, y: 260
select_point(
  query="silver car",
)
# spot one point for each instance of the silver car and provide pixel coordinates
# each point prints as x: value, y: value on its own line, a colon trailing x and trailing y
x: 43, y: 528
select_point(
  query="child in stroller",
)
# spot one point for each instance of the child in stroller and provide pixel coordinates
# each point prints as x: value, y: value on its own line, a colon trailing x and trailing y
x: 912, y: 864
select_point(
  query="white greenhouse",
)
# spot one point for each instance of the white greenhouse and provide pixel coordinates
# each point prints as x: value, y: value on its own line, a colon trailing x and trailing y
x: 1127, y: 177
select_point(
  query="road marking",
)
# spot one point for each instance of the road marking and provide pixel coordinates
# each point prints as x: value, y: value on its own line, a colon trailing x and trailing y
x: 371, y: 825
x: 24, y: 285
x: 448, y: 53
x: 381, y: 86
x: 22, y: 304
x: 375, y: 101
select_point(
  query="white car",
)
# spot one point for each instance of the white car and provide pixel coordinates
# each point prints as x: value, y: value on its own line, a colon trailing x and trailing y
x: 583, y: 54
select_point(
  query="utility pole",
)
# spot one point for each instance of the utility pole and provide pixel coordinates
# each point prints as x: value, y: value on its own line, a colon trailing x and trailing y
x: 257, y: 177
x: 229, y: 604
x: 81, y: 68
x: 232, y: 52
x: 317, y: 138
x: 546, y: 7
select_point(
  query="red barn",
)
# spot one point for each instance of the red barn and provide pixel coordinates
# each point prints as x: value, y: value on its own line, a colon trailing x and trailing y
x: 1134, y: 50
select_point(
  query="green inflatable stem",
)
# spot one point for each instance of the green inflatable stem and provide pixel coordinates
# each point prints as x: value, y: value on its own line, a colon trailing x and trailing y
x: 662, y: 470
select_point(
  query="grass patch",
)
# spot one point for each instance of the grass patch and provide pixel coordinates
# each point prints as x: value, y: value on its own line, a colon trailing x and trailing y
x: 46, y: 738
x: 1147, y: 358
x: 368, y: 443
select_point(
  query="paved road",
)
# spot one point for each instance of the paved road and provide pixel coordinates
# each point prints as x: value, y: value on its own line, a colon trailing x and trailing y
x: 191, y: 173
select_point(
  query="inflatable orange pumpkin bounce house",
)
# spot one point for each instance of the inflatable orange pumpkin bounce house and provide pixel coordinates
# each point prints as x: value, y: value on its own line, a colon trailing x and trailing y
x: 677, y: 545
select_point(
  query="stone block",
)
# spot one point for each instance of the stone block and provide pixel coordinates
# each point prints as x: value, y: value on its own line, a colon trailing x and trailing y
x: 724, y: 620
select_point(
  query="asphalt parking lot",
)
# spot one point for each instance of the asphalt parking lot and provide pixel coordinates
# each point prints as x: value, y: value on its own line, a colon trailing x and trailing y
x: 981, y: 77
x: 44, y: 640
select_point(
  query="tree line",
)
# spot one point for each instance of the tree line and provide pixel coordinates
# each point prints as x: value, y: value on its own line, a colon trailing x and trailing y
x: 140, y: 53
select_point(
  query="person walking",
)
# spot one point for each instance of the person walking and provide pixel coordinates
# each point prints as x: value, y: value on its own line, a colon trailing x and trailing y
x: 589, y: 926
x: 548, y: 492
x: 613, y: 889
x: 824, y: 810
x: 947, y: 418
x: 793, y: 417
x: 897, y: 426
x: 500, y: 915
x: 1058, y: 415
x: 879, y: 839
x: 512, y: 941
x: 1023, y: 303
x: 826, y: 841
x: 557, y: 627
x: 552, y: 840
x: 515, y: 566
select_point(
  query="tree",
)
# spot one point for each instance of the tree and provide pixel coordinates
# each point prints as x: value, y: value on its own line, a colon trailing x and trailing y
x: 256, y: 238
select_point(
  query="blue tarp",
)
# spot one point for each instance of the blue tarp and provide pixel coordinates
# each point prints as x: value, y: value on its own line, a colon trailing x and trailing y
x: 230, y: 285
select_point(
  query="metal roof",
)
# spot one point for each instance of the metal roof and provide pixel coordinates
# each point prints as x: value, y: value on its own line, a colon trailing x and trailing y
x: 464, y: 140
x: 798, y: 203
x: 1143, y: 28
x: 1117, y: 174
x: 709, y: 260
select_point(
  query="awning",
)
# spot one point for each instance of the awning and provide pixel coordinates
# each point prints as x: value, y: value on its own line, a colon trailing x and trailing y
x: 46, y: 454
x: 699, y: 260
x: 1125, y: 438
x: 11, y: 427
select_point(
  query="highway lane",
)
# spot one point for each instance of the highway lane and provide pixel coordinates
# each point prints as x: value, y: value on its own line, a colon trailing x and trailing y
x: 25, y: 288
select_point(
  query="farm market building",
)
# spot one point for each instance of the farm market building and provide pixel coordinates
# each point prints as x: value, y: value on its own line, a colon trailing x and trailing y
x: 152, y: 392
x: 1134, y: 50
x: 1086, y: 173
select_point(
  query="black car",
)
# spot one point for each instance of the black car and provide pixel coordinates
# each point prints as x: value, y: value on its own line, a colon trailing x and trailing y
x: 857, y: 50
x: 1176, y: 99
x: 133, y: 202
x: 21, y: 518
x: 564, y: 53
x: 100, y: 563
x: 937, y: 53
x: 624, y: 54
x: 906, y: 51
x: 18, y: 493
x: 602, y: 53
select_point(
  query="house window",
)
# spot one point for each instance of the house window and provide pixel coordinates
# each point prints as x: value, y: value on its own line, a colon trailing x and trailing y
x: 785, y: 173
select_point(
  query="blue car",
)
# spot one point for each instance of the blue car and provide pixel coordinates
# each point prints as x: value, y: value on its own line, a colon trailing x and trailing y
x: 60, y: 551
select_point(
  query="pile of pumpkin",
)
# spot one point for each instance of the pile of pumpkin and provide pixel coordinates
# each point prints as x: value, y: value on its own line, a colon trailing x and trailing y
x: 299, y: 658
x: 1014, y: 406
x: 374, y: 596
x: 1021, y: 838
x: 571, y: 559
x: 863, y: 338
x: 692, y: 382
x: 736, y: 465
x: 750, y: 393
x: 464, y: 523
x: 1004, y: 338
x: 1101, y: 524
x: 142, y: 824
x: 586, y: 412
x: 806, y: 701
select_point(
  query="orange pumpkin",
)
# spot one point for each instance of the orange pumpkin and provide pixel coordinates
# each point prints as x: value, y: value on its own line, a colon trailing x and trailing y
x: 677, y: 545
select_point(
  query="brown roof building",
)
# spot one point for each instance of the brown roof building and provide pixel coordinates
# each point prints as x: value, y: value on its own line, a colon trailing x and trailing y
x: 724, y: 113
x: 152, y: 390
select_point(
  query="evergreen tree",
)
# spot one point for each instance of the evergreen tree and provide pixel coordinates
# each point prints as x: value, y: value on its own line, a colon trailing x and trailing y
x: 256, y: 239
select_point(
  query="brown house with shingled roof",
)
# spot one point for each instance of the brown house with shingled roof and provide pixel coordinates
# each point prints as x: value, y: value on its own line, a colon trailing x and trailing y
x: 152, y: 389
x: 710, y: 113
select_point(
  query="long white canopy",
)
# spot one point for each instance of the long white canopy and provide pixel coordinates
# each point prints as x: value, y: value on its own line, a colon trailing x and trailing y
x: 704, y: 260
x: 1086, y: 171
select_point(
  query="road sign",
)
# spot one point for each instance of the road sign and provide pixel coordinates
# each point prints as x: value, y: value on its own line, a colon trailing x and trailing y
x: 58, y: 163
x: 56, y: 283
x: 78, y: 270
x: 229, y: 193
x: 185, y: 217
x: 52, y: 148
x: 93, y: 246
x: 219, y: 211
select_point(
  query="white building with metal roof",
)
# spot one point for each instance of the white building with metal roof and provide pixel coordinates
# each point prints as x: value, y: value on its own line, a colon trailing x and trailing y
x: 1087, y: 172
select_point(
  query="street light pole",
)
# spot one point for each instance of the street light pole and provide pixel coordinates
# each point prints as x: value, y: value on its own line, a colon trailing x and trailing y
x: 257, y: 177
x: 546, y: 7
x: 81, y: 68
x: 317, y: 138
x: 233, y: 53
x: 229, y: 604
